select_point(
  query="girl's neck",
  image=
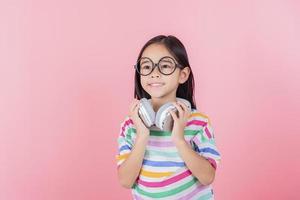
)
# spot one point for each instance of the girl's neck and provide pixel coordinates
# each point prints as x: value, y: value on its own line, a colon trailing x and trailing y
x: 158, y: 102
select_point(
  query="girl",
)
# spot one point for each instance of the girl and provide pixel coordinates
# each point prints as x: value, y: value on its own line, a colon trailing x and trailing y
x: 157, y: 164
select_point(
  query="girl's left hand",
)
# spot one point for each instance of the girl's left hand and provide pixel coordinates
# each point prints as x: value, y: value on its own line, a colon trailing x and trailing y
x: 179, y: 121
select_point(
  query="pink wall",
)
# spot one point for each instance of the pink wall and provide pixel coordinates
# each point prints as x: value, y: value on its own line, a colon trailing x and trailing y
x: 66, y: 81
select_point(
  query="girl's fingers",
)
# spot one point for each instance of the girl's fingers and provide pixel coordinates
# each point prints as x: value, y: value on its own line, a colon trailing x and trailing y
x: 185, y: 108
x: 182, y: 105
x: 136, y: 108
x: 180, y: 111
x: 173, y: 115
x: 133, y: 105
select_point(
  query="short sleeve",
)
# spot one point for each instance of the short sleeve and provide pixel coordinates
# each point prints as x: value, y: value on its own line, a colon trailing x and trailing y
x: 125, y: 140
x: 204, y: 143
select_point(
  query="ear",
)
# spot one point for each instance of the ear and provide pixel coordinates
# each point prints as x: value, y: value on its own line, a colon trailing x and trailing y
x: 184, y: 75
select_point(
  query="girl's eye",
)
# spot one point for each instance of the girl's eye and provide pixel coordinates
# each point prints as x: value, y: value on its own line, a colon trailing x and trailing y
x: 145, y: 67
x: 166, y: 66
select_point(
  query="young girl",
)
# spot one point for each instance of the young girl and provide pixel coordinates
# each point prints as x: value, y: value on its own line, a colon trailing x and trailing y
x: 159, y: 164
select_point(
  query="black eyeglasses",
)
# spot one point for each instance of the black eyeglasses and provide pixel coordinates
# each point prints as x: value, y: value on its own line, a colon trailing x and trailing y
x: 166, y: 65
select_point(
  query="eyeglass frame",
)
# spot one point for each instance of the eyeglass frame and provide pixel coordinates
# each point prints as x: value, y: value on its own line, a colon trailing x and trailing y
x: 156, y: 65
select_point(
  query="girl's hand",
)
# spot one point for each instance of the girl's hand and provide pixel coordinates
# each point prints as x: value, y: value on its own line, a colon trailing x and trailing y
x: 133, y: 114
x: 179, y: 121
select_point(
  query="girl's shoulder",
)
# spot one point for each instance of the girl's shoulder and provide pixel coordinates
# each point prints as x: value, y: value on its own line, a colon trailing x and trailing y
x: 127, y: 119
x: 198, y: 117
x: 126, y: 123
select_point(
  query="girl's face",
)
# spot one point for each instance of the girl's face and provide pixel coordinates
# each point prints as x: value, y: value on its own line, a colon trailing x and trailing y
x: 166, y: 86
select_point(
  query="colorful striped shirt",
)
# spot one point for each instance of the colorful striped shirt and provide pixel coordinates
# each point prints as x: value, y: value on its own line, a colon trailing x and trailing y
x: 164, y: 175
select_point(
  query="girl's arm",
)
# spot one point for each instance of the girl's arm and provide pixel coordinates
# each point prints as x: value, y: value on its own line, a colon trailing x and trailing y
x: 199, y: 166
x: 130, y: 168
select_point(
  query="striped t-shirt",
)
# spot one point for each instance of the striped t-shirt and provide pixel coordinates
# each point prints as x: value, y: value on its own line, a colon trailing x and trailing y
x: 164, y: 175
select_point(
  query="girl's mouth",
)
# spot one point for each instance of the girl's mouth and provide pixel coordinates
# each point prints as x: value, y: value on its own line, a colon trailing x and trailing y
x: 156, y: 85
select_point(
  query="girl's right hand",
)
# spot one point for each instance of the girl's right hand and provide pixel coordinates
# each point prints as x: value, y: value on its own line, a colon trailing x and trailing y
x: 133, y: 114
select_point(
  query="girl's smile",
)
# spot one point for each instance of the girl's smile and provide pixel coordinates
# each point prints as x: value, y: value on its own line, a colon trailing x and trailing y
x: 156, y: 84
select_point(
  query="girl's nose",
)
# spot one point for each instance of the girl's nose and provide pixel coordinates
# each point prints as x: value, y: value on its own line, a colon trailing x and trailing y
x: 155, y: 73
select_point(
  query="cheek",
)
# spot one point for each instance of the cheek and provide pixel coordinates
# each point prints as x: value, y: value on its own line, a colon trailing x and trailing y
x: 143, y: 82
x: 174, y: 81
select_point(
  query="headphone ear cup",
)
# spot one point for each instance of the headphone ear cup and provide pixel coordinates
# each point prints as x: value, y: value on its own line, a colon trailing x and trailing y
x: 146, y: 112
x: 163, y: 119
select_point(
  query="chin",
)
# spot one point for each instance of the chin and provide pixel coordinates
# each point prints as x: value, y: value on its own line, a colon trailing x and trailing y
x: 155, y: 95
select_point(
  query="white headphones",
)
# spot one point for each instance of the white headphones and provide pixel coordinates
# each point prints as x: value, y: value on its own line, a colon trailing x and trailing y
x: 162, y: 119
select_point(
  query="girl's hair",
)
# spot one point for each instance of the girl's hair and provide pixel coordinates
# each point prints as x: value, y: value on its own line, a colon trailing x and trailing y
x: 176, y: 49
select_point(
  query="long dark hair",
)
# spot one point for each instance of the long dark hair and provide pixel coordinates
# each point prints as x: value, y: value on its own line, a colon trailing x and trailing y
x: 176, y: 49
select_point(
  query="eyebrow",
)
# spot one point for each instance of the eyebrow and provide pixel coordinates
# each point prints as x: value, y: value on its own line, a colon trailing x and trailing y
x: 145, y: 61
x: 169, y: 61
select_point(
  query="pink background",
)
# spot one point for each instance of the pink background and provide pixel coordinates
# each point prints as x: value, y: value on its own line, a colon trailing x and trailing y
x: 66, y: 81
